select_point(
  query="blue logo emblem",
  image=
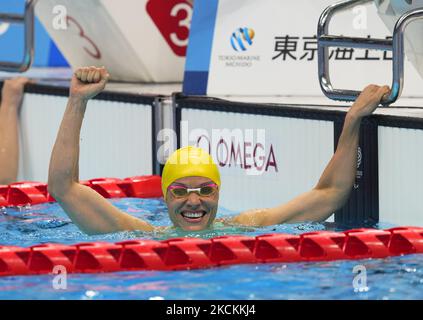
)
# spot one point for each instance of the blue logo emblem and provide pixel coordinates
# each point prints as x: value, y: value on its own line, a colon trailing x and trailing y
x: 242, y: 39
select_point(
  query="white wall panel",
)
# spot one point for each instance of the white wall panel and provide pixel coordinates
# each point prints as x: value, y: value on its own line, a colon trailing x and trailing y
x: 115, y: 138
x: 400, y: 176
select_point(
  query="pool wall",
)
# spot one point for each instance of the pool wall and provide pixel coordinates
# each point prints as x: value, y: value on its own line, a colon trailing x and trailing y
x: 304, y: 137
x: 115, y: 137
x: 400, y: 170
x: 279, y: 150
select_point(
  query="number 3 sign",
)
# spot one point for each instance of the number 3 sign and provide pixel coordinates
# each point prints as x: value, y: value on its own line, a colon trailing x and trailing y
x: 173, y: 19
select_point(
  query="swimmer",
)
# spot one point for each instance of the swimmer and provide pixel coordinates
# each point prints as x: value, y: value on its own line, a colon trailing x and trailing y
x: 11, y: 100
x: 190, y: 180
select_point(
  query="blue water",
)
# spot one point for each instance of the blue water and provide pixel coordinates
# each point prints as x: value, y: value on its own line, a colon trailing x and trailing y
x: 391, y: 278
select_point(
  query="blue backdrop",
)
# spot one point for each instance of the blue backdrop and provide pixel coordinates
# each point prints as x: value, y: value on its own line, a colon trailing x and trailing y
x: 12, y: 40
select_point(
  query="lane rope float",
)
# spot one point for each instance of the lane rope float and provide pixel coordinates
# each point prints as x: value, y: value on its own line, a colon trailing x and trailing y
x: 194, y: 253
x: 189, y: 253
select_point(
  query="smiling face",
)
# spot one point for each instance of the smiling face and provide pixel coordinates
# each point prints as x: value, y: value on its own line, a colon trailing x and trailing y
x: 193, y: 212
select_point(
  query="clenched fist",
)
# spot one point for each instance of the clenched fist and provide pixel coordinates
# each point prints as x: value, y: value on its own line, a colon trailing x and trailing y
x: 88, y: 82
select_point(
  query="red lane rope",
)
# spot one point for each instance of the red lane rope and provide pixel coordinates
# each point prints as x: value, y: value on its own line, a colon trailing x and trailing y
x: 29, y: 192
x: 194, y: 253
x: 189, y: 253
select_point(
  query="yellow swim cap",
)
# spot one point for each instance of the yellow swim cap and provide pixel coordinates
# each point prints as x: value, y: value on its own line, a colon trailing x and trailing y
x: 189, y: 162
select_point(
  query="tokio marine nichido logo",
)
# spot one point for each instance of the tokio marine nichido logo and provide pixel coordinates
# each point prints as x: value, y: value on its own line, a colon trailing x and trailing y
x: 241, y: 41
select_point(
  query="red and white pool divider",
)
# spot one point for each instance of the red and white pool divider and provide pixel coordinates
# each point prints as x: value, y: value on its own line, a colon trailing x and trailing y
x: 190, y: 253
x: 194, y: 253
x: 24, y: 193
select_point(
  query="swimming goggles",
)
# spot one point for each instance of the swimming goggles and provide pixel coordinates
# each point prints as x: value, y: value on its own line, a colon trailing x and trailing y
x: 207, y: 190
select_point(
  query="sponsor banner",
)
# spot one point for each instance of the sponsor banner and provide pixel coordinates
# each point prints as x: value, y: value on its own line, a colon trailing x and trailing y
x: 269, y: 47
x: 136, y: 40
x: 12, y: 40
x: 264, y: 161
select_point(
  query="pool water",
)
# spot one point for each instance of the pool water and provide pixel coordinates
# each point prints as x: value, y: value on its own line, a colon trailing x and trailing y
x: 390, y: 278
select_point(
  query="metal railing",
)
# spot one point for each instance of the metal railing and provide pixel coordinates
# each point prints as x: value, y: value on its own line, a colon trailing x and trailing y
x: 396, y: 45
x: 27, y: 19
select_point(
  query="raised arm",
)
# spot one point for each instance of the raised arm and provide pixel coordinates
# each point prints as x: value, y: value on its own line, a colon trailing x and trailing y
x: 87, y: 209
x: 12, y: 94
x: 335, y: 184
